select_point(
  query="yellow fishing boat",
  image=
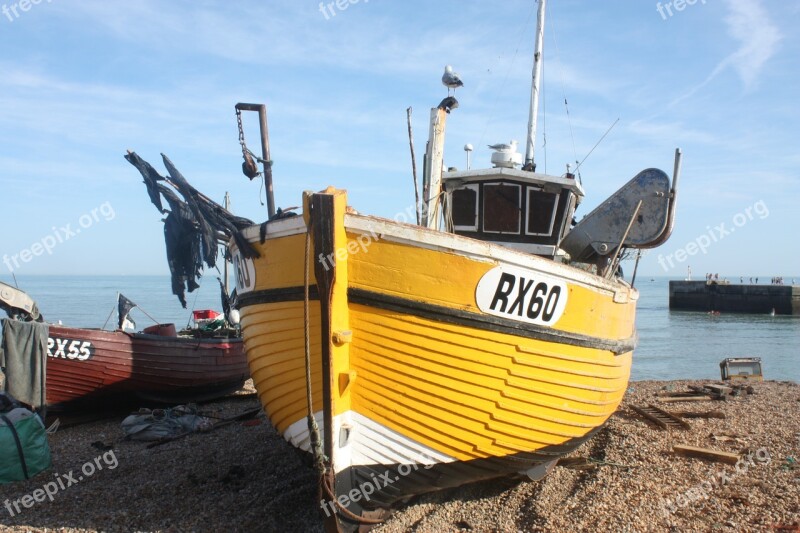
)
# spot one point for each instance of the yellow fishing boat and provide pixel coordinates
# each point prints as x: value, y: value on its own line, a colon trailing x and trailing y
x: 490, y: 339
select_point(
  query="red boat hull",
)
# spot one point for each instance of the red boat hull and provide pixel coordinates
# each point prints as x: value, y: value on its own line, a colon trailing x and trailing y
x: 85, y: 365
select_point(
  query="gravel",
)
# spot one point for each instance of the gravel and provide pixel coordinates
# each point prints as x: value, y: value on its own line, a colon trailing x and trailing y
x: 639, y: 485
x: 244, y: 477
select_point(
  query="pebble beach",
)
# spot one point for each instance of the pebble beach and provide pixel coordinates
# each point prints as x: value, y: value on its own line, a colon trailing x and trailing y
x: 245, y: 477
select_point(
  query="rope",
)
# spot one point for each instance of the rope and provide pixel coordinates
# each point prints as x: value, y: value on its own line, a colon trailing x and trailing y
x: 109, y: 314
x: 313, y: 428
x: 327, y: 485
x: 447, y: 211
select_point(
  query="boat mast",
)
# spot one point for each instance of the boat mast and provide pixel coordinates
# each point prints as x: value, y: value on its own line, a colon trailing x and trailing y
x: 227, y: 206
x: 537, y: 73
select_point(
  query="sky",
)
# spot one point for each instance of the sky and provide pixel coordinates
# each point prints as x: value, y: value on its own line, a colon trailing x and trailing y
x: 82, y: 82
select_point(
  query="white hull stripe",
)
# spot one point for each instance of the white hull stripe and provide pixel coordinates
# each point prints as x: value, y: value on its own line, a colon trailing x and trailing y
x: 365, y: 442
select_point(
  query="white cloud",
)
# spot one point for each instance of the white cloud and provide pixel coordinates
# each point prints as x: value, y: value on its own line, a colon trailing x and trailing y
x: 672, y: 130
x: 749, y: 24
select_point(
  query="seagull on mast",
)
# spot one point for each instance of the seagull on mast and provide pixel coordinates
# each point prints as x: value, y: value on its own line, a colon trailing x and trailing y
x: 451, y: 80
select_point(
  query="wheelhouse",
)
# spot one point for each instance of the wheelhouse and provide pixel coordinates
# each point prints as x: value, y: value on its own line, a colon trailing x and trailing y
x: 524, y: 210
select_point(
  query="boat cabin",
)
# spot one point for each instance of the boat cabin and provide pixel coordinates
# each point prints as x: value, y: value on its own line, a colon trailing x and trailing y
x: 528, y: 211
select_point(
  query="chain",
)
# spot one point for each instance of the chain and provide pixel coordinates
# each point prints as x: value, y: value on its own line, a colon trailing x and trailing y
x: 249, y: 167
x: 241, y: 132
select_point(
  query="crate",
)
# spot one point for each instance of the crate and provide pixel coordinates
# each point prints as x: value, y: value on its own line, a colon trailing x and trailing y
x: 741, y: 368
x: 205, y: 314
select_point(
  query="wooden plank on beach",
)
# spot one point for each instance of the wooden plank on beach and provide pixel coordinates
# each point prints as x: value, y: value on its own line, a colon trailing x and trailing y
x: 722, y: 390
x: 704, y: 414
x: 670, y: 394
x: 689, y: 399
x: 705, y: 453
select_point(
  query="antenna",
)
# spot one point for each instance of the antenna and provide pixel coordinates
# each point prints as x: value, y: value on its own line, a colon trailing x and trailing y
x: 595, y: 145
x: 468, y: 148
x: 537, y: 72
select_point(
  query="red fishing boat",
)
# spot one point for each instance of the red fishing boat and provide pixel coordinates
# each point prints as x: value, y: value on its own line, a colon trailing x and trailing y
x: 159, y: 366
x: 87, y: 366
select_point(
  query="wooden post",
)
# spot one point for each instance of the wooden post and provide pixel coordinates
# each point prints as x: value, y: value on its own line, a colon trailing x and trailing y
x: 434, y: 160
x: 413, y: 167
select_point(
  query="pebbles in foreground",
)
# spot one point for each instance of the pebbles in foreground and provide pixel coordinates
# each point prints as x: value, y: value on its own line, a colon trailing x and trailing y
x: 245, y: 477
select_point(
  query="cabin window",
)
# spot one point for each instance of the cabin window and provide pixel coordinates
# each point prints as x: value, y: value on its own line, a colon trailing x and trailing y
x: 501, y: 207
x: 465, y: 208
x: 541, y: 214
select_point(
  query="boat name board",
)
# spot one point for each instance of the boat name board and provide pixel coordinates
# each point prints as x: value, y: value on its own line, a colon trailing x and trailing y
x: 522, y: 295
x: 62, y: 348
x: 245, y: 273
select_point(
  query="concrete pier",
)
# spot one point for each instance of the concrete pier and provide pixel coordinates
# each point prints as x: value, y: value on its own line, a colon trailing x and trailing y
x: 732, y: 298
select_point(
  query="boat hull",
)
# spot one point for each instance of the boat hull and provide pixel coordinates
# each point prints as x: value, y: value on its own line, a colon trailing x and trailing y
x: 87, y: 366
x: 435, y: 359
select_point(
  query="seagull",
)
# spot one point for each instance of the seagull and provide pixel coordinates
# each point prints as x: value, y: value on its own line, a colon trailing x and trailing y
x: 451, y: 80
x: 503, y: 147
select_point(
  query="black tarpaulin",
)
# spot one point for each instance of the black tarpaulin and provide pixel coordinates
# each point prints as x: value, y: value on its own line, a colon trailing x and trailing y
x: 194, y: 227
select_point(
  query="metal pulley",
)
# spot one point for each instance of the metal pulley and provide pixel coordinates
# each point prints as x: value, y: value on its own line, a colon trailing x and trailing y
x: 249, y: 166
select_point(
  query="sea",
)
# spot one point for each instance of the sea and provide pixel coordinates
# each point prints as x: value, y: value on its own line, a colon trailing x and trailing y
x: 672, y: 344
